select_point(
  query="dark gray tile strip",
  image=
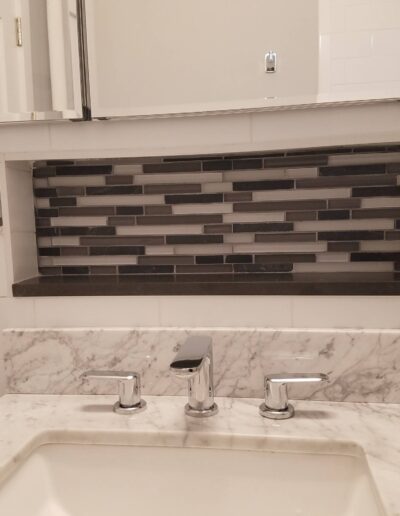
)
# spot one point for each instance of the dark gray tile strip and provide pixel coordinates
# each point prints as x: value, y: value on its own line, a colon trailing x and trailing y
x: 279, y: 206
x: 296, y: 161
x: 114, y: 190
x: 286, y: 237
x: 375, y: 257
x: 83, y: 170
x: 263, y: 185
x: 176, y: 166
x: 333, y: 215
x: 172, y: 188
x: 116, y: 250
x: 194, y: 198
x: 122, y: 240
x: 285, y: 258
x: 352, y: 170
x: 194, y: 239
x: 343, y: 181
x: 179, y: 219
x: 351, y: 235
x: 260, y: 227
x: 377, y: 191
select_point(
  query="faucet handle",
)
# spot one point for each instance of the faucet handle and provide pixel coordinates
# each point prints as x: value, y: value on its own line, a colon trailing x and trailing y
x: 276, y: 405
x: 130, y: 401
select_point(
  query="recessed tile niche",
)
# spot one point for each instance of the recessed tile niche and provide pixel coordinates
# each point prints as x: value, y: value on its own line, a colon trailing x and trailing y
x: 326, y: 210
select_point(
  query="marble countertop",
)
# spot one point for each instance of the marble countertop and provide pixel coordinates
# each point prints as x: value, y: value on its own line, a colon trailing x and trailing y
x: 28, y: 421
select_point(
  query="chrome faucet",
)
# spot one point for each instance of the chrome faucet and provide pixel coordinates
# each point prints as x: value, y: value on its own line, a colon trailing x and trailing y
x: 276, y: 405
x: 194, y: 362
x: 130, y: 401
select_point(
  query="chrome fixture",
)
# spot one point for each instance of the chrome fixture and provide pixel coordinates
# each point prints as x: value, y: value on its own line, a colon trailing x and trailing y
x: 130, y: 401
x: 276, y: 405
x: 270, y: 62
x: 194, y: 362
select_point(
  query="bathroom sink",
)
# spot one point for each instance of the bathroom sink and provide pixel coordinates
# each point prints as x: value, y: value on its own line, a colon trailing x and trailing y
x: 86, y: 480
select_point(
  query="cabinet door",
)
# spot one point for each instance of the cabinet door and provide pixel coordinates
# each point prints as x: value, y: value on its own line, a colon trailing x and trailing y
x: 39, y: 60
x: 174, y: 57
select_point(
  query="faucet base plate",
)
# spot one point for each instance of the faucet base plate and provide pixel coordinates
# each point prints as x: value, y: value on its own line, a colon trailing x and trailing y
x: 190, y: 411
x: 127, y: 411
x: 270, y: 413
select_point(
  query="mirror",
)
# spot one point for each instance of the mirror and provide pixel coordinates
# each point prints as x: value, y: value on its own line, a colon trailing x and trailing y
x: 158, y: 58
x: 39, y: 60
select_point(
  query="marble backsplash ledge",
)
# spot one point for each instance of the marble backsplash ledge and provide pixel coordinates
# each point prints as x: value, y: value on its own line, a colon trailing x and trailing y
x: 364, y: 366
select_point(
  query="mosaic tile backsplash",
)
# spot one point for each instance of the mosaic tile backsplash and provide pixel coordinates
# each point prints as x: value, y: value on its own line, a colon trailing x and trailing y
x: 321, y: 210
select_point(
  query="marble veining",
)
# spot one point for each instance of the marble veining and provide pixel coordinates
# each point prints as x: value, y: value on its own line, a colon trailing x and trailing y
x: 28, y: 421
x: 363, y: 365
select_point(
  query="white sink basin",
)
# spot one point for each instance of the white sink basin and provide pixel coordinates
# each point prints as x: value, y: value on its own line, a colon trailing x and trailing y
x: 86, y: 480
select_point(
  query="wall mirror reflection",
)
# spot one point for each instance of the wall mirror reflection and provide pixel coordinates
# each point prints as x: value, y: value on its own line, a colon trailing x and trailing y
x: 183, y: 56
x: 39, y: 60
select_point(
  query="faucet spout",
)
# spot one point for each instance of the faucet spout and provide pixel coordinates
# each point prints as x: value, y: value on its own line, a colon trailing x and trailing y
x: 194, y: 362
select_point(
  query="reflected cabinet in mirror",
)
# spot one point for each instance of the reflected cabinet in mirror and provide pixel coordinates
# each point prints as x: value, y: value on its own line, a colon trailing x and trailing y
x: 40, y: 75
x: 165, y: 57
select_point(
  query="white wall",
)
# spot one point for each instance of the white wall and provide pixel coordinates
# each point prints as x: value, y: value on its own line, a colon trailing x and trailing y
x: 360, y: 47
x: 186, y: 55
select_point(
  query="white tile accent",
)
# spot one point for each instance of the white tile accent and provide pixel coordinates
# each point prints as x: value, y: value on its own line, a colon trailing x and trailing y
x: 44, y: 241
x: 216, y: 187
x: 76, y: 181
x: 202, y: 249
x: 193, y: 209
x: 273, y: 216
x: 94, y: 260
x: 239, y: 238
x: 326, y: 193
x: 181, y: 178
x: 344, y: 267
x: 381, y: 202
x: 367, y: 158
x: 281, y: 247
x: 42, y: 202
x: 120, y: 200
x: 387, y: 245
x: 128, y: 169
x: 155, y: 250
x: 344, y: 225
x: 333, y: 257
x: 78, y: 221
x: 40, y: 182
x: 179, y: 229
x: 65, y: 240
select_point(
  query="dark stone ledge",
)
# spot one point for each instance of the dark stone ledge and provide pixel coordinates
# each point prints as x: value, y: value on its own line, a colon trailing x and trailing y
x: 212, y: 284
